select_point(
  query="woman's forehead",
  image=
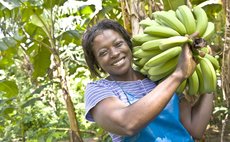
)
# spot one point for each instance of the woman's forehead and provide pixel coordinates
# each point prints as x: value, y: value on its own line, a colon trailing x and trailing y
x: 105, y: 35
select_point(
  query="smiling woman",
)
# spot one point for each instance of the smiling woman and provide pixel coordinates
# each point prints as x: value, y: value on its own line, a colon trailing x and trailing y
x: 113, y: 54
x: 127, y: 103
x: 104, y: 41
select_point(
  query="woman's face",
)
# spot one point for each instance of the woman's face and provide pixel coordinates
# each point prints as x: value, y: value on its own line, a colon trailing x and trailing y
x: 112, y: 53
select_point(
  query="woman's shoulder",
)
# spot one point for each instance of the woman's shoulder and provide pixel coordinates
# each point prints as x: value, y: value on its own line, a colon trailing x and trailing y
x: 109, y: 83
x: 100, y: 83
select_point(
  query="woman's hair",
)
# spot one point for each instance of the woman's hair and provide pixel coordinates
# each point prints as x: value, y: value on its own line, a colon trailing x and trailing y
x: 88, y: 38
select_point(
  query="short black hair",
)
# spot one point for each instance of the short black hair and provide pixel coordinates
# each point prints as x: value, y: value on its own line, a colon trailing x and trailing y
x: 91, y: 33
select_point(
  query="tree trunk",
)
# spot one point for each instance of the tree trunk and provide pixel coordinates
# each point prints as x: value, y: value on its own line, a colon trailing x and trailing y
x: 74, y: 127
x: 226, y: 70
x: 226, y: 55
x: 61, y: 75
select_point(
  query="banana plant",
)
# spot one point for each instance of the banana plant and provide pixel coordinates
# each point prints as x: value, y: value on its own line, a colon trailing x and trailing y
x: 29, y: 30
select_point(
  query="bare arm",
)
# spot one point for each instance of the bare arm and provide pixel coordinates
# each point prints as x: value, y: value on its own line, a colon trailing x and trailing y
x: 196, y: 118
x: 116, y: 117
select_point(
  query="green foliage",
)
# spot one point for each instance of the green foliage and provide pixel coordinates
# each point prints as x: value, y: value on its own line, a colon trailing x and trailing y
x: 212, y: 8
x: 35, y: 34
x: 41, y: 62
x: 7, y: 57
x: 71, y: 36
x: 196, y: 2
x: 9, y: 88
x: 172, y: 4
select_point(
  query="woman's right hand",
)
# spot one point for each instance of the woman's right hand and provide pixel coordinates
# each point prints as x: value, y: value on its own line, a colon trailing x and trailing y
x: 186, y: 63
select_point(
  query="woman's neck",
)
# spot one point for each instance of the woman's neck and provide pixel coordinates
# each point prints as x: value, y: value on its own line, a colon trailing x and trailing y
x: 131, y: 76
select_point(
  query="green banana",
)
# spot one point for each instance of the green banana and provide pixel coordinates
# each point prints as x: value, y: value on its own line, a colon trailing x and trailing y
x: 209, y: 31
x: 163, y: 67
x: 144, y: 71
x: 147, y: 22
x: 201, y: 79
x: 169, y: 19
x: 152, y: 44
x: 173, y: 41
x: 164, y: 56
x: 173, y: 13
x: 213, y: 60
x: 143, y: 61
x: 209, y: 75
x: 201, y: 20
x: 160, y: 31
x: 181, y: 87
x: 160, y: 76
x: 188, y: 19
x: 137, y: 62
x: 137, y: 68
x: 139, y: 39
x: 193, y: 84
x: 143, y: 54
x: 179, y: 16
x: 135, y: 48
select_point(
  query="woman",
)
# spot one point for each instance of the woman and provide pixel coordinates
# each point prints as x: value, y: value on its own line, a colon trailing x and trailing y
x: 130, y: 106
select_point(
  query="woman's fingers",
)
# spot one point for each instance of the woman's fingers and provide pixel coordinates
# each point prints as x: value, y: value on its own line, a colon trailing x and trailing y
x: 186, y: 61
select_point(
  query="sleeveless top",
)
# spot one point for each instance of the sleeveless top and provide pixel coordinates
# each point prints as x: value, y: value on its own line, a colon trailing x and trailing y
x: 166, y: 127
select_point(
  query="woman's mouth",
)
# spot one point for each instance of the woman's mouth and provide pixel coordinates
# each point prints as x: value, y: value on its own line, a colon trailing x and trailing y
x: 119, y: 62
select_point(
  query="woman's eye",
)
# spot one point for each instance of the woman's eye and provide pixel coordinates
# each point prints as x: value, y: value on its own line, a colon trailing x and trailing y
x: 119, y: 44
x: 102, y: 53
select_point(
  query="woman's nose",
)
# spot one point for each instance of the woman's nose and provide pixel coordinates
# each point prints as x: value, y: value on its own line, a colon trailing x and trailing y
x: 114, y: 52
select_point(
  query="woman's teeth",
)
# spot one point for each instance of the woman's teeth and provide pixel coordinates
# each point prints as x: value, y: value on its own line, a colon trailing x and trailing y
x: 119, y: 62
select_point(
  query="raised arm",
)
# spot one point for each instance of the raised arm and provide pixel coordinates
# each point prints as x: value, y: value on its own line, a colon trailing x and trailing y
x: 196, y: 118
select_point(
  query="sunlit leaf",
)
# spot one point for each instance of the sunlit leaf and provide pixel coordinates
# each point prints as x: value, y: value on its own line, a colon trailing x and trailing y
x: 9, y: 88
x: 38, y: 21
x: 18, y: 37
x: 5, y: 12
x: 7, y: 110
x: 7, y: 101
x: 172, y: 4
x: 40, y: 88
x: 41, y: 62
x: 10, y: 4
x: 43, y: 20
x: 212, y: 8
x: 196, y: 2
x: 6, y: 57
x: 32, y: 48
x: 9, y: 41
x: 34, y: 31
x: 1, y: 128
x: 3, y: 46
x: 70, y: 36
x: 35, y: 2
x: 54, y: 135
x: 30, y: 102
x: 26, y: 13
x: 51, y: 3
x: 86, y: 10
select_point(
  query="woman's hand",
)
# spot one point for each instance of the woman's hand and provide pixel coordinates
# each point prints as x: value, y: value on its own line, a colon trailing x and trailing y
x: 186, y: 64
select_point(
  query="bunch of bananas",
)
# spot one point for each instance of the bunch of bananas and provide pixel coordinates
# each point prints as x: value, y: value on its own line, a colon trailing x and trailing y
x: 157, y: 49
